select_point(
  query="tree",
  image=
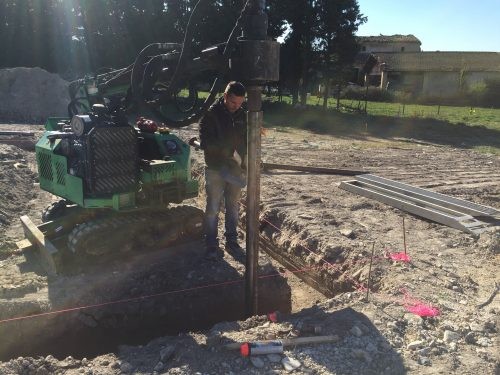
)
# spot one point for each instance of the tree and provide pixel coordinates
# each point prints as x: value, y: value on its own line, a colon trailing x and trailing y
x: 300, y: 16
x: 320, y: 42
x: 336, y: 41
x: 73, y: 37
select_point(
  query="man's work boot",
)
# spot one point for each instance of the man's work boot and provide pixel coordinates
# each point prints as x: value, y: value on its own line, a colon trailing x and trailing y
x: 235, y: 250
x: 213, y: 253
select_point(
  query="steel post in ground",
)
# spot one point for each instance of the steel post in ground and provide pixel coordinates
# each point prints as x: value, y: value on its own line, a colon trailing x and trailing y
x: 404, y: 234
x: 258, y: 63
x: 369, y: 284
x: 254, y: 118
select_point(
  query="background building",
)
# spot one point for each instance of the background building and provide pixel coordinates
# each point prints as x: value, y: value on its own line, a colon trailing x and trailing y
x: 399, y: 64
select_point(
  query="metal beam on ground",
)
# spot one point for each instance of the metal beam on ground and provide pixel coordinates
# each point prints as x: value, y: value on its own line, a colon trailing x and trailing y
x: 453, y: 212
x: 317, y: 170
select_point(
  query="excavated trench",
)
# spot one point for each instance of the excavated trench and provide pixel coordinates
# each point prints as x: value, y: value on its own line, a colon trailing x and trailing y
x: 132, y: 301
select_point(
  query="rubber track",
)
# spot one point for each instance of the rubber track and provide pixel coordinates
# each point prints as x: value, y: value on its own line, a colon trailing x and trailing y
x: 122, y: 231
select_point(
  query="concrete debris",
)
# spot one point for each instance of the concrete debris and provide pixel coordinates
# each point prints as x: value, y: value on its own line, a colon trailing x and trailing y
x: 387, y: 340
x: 356, y: 331
x: 274, y: 358
x: 290, y: 363
x: 257, y: 362
x: 424, y: 361
x: 349, y: 233
x: 450, y: 336
x: 414, y: 345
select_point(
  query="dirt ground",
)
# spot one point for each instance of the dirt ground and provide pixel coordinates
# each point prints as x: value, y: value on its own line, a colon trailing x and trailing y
x: 312, y: 219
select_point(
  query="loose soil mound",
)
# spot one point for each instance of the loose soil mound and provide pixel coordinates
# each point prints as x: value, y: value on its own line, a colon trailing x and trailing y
x: 32, y: 95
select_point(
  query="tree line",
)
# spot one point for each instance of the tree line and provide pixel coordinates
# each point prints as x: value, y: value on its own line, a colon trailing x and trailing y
x: 73, y: 37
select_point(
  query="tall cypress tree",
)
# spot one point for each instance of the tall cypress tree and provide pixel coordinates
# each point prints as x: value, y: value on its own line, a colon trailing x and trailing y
x: 320, y: 39
x: 336, y: 41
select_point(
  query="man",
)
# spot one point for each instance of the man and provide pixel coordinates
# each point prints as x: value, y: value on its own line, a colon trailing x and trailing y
x: 223, y: 136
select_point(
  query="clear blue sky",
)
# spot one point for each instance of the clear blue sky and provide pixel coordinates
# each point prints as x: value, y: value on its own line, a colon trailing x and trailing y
x: 444, y: 25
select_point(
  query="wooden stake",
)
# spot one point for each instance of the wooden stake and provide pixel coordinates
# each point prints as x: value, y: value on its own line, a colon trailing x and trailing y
x: 370, y: 272
x: 404, y: 234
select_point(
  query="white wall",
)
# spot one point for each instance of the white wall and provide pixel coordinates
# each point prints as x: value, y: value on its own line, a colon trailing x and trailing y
x: 391, y: 47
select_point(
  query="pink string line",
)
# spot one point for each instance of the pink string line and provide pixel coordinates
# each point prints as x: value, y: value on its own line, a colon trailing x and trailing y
x: 418, y: 307
x: 140, y: 298
x: 135, y: 299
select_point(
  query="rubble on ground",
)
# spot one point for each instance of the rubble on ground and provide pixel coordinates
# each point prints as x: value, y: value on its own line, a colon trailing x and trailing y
x: 449, y: 270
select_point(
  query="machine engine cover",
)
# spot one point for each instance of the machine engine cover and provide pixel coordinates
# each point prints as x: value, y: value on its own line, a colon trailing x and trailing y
x: 112, y: 162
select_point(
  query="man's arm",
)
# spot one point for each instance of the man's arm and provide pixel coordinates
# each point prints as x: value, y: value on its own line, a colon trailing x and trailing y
x: 208, y: 132
x: 242, y: 145
x: 211, y: 141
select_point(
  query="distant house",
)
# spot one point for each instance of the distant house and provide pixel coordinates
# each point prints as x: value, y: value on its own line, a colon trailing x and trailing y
x: 400, y: 65
x: 389, y: 43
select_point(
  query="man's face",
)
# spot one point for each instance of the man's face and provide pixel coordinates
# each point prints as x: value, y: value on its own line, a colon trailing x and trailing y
x: 233, y: 102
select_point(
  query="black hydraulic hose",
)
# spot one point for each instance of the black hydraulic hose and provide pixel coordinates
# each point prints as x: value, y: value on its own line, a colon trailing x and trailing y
x: 138, y: 69
x: 119, y: 73
x: 149, y: 76
x: 228, y: 48
x: 187, y: 40
x: 217, y: 82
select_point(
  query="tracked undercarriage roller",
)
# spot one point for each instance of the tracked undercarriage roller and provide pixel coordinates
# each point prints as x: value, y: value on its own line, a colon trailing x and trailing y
x: 135, y: 231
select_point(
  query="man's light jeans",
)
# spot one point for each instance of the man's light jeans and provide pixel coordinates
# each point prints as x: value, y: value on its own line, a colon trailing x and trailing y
x: 217, y: 189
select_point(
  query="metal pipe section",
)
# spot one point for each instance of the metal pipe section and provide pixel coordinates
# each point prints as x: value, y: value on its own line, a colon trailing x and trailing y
x: 258, y: 63
x: 254, y: 119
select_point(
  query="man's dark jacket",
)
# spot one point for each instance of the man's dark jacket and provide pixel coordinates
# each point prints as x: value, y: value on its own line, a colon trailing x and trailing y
x: 222, y: 133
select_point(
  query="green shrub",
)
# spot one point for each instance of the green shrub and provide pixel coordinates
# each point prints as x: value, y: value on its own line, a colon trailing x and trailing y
x: 490, y: 97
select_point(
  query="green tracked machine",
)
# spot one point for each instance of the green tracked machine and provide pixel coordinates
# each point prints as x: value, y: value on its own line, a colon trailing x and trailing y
x: 121, y: 174
x: 116, y: 182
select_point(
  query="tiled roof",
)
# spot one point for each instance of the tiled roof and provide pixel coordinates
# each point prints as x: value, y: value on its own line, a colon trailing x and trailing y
x: 440, y: 61
x: 389, y: 39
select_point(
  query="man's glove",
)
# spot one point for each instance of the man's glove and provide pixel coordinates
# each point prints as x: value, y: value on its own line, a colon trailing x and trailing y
x: 234, y: 173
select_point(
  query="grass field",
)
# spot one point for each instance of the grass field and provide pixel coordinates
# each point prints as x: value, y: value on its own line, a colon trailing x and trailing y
x: 488, y: 117
x: 464, y: 127
x: 479, y: 131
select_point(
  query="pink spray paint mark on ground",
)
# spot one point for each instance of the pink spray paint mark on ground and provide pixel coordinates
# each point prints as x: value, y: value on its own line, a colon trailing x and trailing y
x: 423, y: 310
x: 400, y: 257
x: 418, y: 307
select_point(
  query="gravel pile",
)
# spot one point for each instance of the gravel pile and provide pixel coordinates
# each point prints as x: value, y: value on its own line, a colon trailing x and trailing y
x: 31, y: 95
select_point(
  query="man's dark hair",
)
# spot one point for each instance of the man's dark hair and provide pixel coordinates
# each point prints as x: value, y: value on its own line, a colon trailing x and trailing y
x: 235, y: 88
